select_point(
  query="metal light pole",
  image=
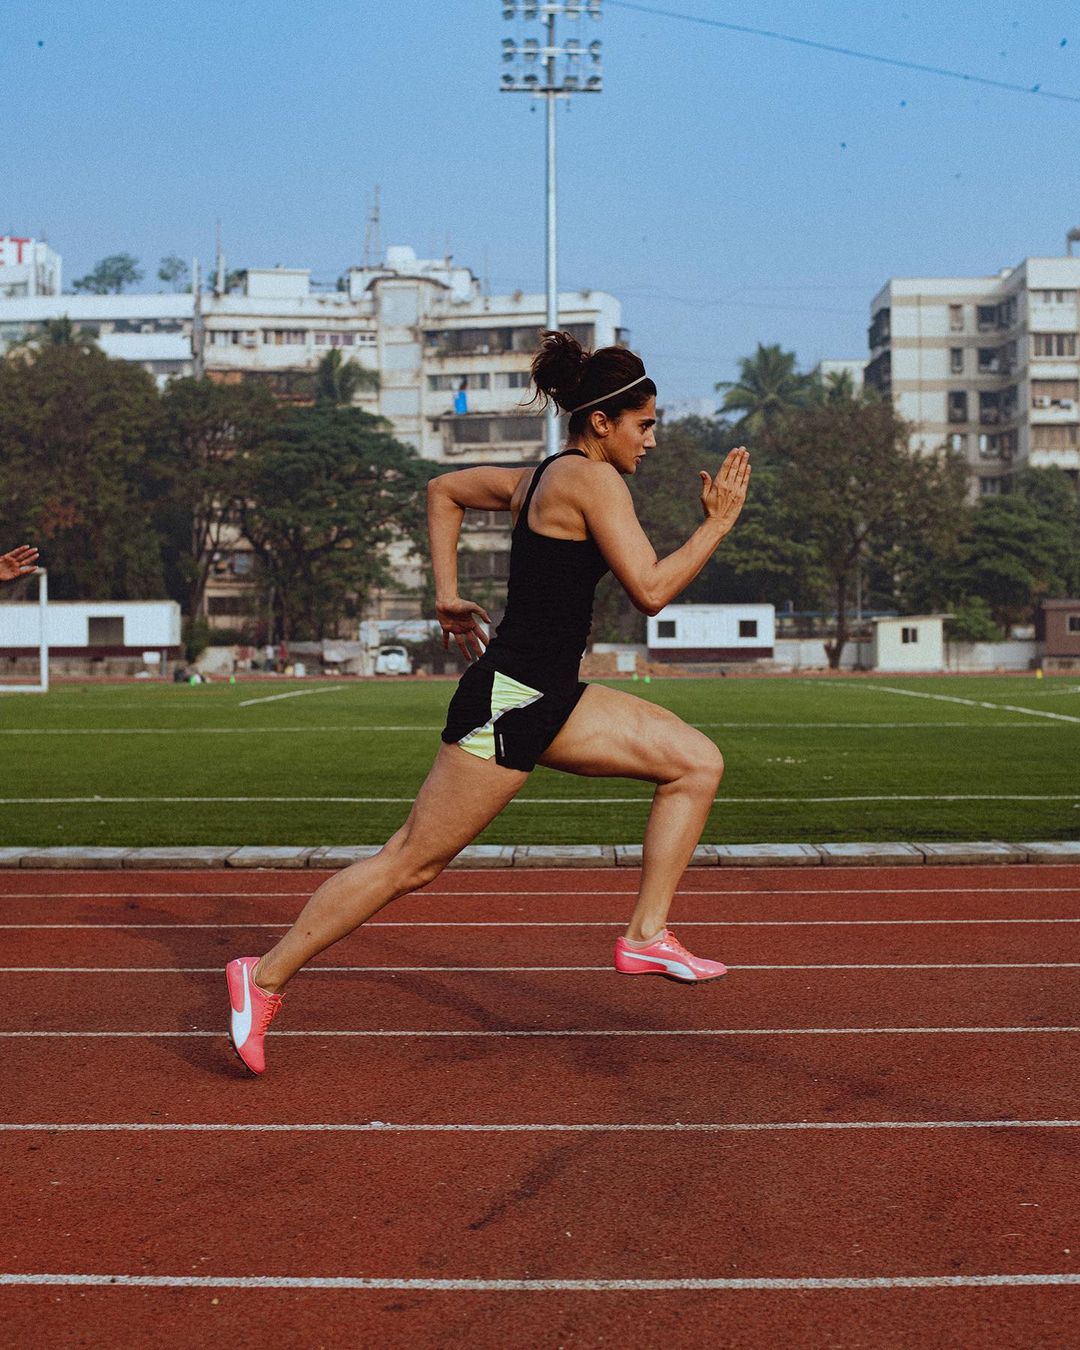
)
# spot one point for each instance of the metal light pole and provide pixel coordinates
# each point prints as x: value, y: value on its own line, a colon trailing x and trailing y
x: 528, y: 54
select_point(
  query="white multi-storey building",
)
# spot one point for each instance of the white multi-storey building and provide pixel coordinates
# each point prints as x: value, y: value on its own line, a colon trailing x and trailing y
x: 452, y: 365
x: 988, y: 365
x: 27, y: 267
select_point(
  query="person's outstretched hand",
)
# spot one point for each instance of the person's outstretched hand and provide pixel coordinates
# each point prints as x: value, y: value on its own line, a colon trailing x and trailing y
x: 722, y: 497
x: 20, y: 562
x: 459, y: 620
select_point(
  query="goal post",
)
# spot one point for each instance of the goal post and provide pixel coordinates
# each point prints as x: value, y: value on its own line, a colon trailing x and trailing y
x: 24, y: 629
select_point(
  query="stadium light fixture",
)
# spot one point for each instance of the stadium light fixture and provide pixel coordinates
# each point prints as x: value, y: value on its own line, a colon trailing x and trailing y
x: 561, y: 67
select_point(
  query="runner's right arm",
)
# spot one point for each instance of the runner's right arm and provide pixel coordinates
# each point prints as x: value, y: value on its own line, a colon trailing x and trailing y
x: 449, y: 497
x: 651, y: 583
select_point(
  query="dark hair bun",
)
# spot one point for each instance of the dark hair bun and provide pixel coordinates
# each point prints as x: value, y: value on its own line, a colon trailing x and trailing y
x: 558, y: 368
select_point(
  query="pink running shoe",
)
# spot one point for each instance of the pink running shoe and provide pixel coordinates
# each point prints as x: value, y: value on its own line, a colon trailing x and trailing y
x: 665, y: 955
x: 252, y: 1010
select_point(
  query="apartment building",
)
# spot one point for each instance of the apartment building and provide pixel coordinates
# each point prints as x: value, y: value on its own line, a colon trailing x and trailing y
x: 452, y: 363
x: 988, y: 365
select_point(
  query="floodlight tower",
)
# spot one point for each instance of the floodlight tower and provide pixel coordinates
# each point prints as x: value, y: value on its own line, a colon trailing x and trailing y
x: 544, y: 69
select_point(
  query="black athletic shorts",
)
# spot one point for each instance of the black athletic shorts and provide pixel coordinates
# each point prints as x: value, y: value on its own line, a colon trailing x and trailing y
x: 494, y: 716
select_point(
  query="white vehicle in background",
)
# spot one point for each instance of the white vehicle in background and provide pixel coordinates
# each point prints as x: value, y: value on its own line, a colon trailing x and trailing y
x: 393, y: 661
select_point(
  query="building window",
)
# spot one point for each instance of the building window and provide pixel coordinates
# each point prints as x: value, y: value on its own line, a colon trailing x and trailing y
x: 496, y: 430
x: 106, y: 631
x: 956, y: 360
x: 958, y: 405
x: 956, y: 318
x: 1074, y: 623
x: 989, y: 361
x: 1053, y: 344
x: 958, y: 441
x: 330, y: 339
x: 989, y: 487
x: 482, y: 563
x: 908, y: 635
x: 233, y: 606
x: 284, y: 337
x: 665, y: 628
x: 511, y: 379
x: 456, y: 382
x: 748, y: 628
x: 986, y: 317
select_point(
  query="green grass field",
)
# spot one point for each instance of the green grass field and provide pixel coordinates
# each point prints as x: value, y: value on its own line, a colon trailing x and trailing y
x: 811, y: 759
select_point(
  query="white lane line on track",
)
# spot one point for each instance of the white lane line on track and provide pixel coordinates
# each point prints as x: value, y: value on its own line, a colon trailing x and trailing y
x: 644, y: 1031
x: 527, y: 970
x: 668, y: 1127
x: 294, y: 693
x: 143, y: 893
x: 553, y: 801
x: 538, y: 1286
x: 561, y: 923
x: 953, y: 698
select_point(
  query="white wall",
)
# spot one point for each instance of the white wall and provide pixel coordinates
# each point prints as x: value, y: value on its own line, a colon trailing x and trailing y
x: 147, y: 623
x: 890, y: 652
x: 698, y: 626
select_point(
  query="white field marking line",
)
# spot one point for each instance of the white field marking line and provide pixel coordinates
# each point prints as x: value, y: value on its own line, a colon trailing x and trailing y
x: 557, y: 923
x: 295, y: 693
x: 404, y: 727
x: 559, y: 801
x: 667, y: 1127
x: 967, y: 702
x: 418, y: 1034
x: 510, y: 1286
x: 530, y: 970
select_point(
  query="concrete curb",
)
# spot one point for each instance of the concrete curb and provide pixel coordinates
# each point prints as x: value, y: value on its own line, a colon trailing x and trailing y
x: 330, y: 857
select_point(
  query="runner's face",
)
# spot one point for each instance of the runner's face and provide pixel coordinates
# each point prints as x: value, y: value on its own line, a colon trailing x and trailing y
x: 631, y: 437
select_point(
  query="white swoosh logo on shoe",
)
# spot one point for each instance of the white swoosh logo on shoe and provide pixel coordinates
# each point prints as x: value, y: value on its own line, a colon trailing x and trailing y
x: 241, y: 1021
x: 675, y: 967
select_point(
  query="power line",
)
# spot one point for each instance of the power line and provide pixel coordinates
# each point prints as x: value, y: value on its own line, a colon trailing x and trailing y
x: 1035, y: 89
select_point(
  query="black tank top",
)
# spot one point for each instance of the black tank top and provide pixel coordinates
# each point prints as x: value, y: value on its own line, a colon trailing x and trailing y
x: 549, y: 601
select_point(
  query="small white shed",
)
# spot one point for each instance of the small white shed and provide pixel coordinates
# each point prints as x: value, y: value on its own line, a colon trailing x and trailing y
x: 909, y: 642
x: 681, y: 633
x: 93, y: 628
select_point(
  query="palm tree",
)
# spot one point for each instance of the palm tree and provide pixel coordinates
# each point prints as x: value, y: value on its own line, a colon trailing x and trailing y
x: 337, y: 381
x: 60, y: 332
x: 768, y: 385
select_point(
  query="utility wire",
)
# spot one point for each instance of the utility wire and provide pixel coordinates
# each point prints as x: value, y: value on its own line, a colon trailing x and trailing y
x: 1035, y: 89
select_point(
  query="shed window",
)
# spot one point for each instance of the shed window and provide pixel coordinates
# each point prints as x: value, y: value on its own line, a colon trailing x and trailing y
x: 107, y: 631
x: 748, y: 628
x: 909, y: 635
x: 665, y: 628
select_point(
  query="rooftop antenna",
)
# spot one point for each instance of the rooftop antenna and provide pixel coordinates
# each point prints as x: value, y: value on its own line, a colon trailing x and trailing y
x: 219, y: 274
x: 372, y: 242
x: 1071, y: 238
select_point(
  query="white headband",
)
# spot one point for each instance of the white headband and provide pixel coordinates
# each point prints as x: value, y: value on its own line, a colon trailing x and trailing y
x: 604, y: 397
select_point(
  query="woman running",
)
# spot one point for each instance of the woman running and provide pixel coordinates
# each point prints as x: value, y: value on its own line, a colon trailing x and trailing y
x: 520, y: 703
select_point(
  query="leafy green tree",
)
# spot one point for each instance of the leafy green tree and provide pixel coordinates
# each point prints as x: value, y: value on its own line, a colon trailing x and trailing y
x: 768, y: 387
x: 855, y: 492
x: 77, y: 438
x: 111, y: 275
x: 337, y: 381
x: 325, y: 496
x: 173, y: 271
x: 972, y: 621
x: 1012, y: 558
x: 1056, y: 499
x: 209, y: 430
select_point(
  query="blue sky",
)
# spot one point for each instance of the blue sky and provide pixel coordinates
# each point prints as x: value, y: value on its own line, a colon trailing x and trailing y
x: 728, y: 188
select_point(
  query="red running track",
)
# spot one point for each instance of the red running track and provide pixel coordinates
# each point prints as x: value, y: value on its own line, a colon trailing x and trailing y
x: 473, y: 1132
